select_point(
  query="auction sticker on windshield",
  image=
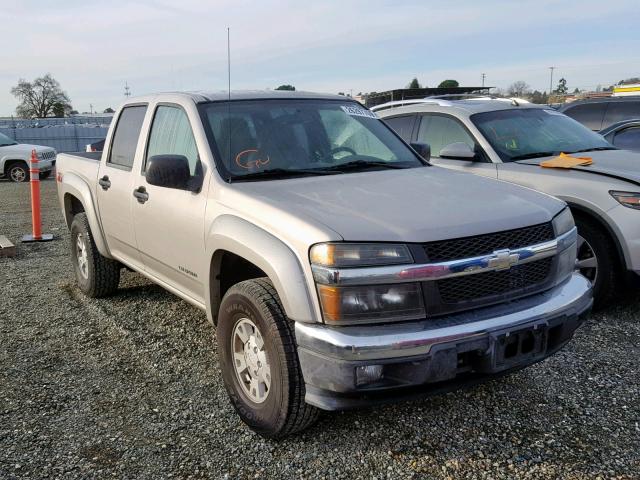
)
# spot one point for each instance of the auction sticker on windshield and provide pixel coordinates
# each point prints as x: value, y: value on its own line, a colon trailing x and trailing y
x: 357, y: 111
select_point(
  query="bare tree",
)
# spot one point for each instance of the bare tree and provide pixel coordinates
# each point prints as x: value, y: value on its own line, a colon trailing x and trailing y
x: 41, y: 98
x: 519, y: 89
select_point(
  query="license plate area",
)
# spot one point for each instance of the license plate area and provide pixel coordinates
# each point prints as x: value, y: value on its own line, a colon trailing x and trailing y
x: 513, y: 348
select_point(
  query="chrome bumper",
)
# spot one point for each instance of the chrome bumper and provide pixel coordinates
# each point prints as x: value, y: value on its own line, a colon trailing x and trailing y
x: 426, y: 353
x: 417, y: 338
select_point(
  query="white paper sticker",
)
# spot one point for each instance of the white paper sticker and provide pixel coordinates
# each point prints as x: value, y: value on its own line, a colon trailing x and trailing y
x: 357, y: 111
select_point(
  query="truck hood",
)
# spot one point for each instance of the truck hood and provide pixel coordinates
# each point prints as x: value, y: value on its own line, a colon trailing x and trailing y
x: 409, y: 205
x: 621, y: 164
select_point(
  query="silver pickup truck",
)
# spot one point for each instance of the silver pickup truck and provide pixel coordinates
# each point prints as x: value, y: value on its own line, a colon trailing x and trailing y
x: 340, y: 268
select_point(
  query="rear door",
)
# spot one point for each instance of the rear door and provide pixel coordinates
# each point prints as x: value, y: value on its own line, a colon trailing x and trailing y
x: 115, y: 184
x: 170, y: 222
x: 440, y: 130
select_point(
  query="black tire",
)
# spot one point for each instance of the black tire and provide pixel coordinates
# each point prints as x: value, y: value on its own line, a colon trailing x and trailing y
x: 102, y: 274
x: 18, y: 172
x: 45, y: 175
x: 284, y: 410
x: 609, y: 271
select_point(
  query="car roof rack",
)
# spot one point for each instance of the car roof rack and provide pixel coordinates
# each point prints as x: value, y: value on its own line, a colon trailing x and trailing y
x: 447, y: 101
x: 401, y: 103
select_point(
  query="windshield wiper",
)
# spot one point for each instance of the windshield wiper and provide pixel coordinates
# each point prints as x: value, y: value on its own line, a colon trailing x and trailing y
x: 594, y: 149
x: 280, y: 173
x: 533, y: 155
x: 363, y: 164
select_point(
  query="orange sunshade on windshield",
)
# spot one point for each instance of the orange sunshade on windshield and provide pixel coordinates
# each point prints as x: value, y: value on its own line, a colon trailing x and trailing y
x: 566, y: 161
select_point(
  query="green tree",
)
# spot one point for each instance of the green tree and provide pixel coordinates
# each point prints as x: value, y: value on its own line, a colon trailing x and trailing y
x: 414, y: 84
x: 290, y: 88
x: 539, y: 97
x: 449, y: 84
x: 109, y: 110
x: 562, y: 87
x: 41, y: 98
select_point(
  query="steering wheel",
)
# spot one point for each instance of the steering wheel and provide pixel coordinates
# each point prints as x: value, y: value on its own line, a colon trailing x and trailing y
x: 342, y: 149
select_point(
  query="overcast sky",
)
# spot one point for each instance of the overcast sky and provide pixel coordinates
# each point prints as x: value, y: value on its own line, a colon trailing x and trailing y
x: 93, y: 46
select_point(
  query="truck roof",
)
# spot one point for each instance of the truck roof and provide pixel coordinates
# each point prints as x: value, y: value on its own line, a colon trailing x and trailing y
x: 222, y: 95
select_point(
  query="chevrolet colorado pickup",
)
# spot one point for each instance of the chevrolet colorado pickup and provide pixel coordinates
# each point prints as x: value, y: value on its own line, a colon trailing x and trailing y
x: 15, y: 157
x: 340, y: 268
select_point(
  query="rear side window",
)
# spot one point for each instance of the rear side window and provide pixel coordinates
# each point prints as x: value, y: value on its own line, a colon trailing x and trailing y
x: 171, y: 134
x: 588, y: 114
x: 403, y: 126
x: 439, y: 131
x: 619, y: 111
x: 628, y: 139
x: 125, y: 138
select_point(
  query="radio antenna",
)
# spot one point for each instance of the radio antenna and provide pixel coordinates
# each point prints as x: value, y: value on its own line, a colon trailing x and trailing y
x: 229, y: 98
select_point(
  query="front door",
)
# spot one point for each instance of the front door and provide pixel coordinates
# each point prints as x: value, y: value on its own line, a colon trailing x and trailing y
x: 170, y: 222
x: 115, y: 183
x: 440, y: 130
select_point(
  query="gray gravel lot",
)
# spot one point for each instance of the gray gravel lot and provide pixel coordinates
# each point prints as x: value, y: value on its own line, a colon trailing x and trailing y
x: 129, y: 387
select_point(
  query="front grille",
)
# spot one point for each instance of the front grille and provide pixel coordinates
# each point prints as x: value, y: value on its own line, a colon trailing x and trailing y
x: 512, y: 283
x: 467, y: 247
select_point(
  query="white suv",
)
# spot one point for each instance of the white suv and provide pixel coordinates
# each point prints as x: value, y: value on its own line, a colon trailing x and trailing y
x: 507, y: 139
x: 15, y: 157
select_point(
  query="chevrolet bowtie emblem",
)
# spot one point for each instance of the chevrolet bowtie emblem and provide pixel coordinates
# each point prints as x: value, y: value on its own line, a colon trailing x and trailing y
x: 503, y: 259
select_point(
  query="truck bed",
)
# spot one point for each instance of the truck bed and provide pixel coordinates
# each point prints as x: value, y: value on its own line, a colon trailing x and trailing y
x: 90, y: 155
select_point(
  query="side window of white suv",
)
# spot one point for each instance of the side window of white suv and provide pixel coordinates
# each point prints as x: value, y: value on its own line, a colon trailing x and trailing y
x: 439, y: 131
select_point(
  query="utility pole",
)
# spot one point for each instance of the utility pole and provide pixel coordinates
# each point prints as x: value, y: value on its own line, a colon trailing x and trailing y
x: 483, y: 75
x: 551, y: 81
x: 91, y: 108
x: 127, y: 90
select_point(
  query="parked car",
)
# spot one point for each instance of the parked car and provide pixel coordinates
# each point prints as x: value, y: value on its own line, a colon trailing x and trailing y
x: 600, y: 113
x: 508, y: 140
x: 96, y: 146
x: 340, y: 267
x: 15, y: 158
x: 625, y: 135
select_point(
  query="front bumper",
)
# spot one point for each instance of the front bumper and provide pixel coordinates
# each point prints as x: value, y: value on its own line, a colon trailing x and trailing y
x: 429, y: 356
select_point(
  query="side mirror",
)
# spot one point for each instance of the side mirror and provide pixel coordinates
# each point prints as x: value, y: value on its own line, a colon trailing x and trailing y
x: 422, y: 149
x: 458, y: 151
x: 170, y: 171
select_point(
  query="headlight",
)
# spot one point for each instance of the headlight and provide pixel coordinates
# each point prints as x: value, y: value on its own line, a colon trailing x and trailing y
x: 628, y: 199
x: 563, y: 222
x: 359, y: 254
x: 373, y: 303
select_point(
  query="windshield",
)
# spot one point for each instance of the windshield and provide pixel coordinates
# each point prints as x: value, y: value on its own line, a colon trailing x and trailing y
x: 535, y: 132
x: 4, y: 140
x: 271, y: 138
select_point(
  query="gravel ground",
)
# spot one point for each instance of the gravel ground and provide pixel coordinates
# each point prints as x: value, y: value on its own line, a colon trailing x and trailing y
x: 129, y: 387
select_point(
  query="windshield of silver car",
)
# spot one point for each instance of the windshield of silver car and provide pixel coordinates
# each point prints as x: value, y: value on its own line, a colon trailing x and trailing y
x: 264, y: 139
x: 5, y: 141
x: 518, y: 134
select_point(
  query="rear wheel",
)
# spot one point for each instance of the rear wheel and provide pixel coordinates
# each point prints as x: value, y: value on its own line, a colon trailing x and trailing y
x: 97, y: 276
x: 18, y: 172
x: 597, y: 260
x: 259, y: 361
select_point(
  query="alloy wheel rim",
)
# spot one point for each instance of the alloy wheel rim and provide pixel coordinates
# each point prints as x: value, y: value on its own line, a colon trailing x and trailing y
x: 250, y: 360
x: 586, y: 261
x: 18, y: 174
x: 81, y: 255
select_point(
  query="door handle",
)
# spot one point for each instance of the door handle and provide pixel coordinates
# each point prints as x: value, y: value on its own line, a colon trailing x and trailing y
x: 105, y: 183
x: 141, y: 194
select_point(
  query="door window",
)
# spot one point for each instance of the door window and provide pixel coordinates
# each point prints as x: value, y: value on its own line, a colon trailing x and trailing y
x: 621, y: 110
x: 439, y: 131
x: 628, y: 139
x: 171, y: 134
x: 588, y: 114
x: 125, y: 137
x: 403, y: 126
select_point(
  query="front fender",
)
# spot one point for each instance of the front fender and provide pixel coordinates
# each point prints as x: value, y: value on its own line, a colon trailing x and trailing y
x: 268, y: 253
x: 74, y: 185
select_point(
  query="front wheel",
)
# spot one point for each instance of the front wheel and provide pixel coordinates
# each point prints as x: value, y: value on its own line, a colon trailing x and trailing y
x: 259, y: 361
x: 18, y: 172
x: 597, y: 260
